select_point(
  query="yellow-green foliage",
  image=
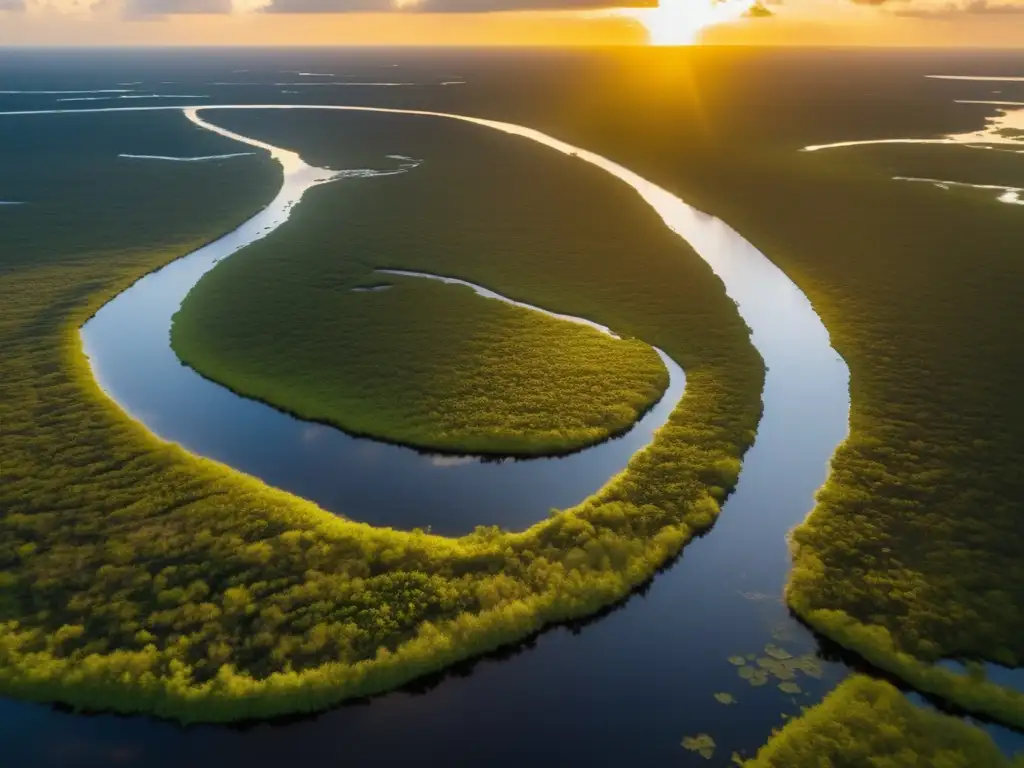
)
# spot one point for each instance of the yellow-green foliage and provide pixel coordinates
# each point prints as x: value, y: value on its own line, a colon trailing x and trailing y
x: 919, y: 528
x: 917, y: 534
x: 140, y: 578
x: 779, y: 664
x: 866, y: 723
x: 876, y: 644
x: 423, y: 363
x: 702, y: 744
x: 432, y: 365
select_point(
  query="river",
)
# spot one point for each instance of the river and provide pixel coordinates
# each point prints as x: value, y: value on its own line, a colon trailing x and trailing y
x: 631, y: 683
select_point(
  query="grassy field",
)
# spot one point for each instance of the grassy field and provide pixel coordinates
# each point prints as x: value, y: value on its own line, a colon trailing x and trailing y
x: 423, y: 364
x: 136, y: 577
x: 866, y: 723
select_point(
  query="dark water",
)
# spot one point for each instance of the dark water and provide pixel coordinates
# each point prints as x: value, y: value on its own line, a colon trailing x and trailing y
x: 998, y: 674
x: 623, y: 689
x: 128, y: 344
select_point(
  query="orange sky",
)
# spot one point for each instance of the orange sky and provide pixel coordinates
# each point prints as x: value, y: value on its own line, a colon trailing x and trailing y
x: 798, y: 22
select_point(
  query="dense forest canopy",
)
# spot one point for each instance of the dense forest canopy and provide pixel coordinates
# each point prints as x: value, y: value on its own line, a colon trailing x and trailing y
x: 421, y: 363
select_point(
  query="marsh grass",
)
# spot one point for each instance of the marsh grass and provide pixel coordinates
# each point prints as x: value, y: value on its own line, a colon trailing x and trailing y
x: 424, y: 364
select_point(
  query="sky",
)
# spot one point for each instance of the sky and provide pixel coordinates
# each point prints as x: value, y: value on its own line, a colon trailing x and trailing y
x: 947, y: 23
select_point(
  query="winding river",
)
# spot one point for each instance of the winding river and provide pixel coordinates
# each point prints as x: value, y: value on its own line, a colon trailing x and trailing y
x: 649, y: 668
x: 610, y: 693
x: 128, y: 345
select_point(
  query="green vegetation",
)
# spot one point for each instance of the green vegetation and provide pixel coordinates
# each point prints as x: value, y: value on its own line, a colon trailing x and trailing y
x: 702, y: 744
x: 913, y: 551
x: 866, y: 723
x: 778, y: 664
x: 775, y: 652
x: 725, y: 698
x: 423, y: 363
x: 139, y: 578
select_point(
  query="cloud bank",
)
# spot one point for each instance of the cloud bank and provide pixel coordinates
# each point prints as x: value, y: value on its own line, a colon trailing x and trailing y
x: 12, y: 5
x: 155, y: 8
x: 149, y: 9
x: 946, y: 8
x: 440, y: 6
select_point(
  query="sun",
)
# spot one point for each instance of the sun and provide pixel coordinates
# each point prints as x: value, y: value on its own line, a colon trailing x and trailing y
x: 681, y: 22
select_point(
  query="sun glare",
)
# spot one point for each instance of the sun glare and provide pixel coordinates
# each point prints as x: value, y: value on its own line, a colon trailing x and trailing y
x: 681, y: 22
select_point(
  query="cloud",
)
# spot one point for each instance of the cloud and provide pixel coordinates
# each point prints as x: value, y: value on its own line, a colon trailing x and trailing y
x: 156, y: 9
x: 938, y: 9
x: 12, y: 5
x: 946, y: 9
x: 150, y: 9
x: 442, y: 6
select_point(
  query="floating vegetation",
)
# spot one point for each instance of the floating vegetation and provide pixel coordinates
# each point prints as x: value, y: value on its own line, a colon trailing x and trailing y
x: 702, y: 744
x: 790, y: 688
x: 756, y: 677
x: 725, y: 698
x: 777, y: 653
x: 776, y: 668
x: 778, y: 664
x: 809, y: 665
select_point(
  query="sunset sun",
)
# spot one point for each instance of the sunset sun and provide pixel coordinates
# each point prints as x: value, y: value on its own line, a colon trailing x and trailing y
x: 681, y: 22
